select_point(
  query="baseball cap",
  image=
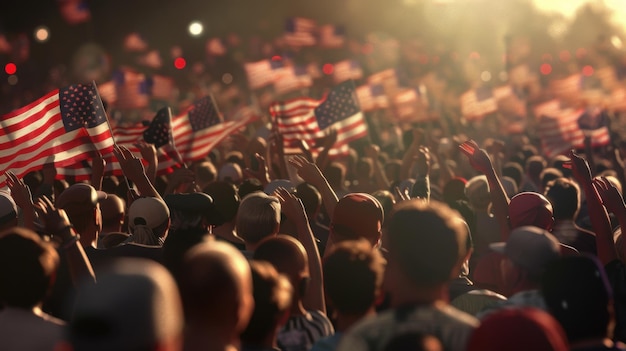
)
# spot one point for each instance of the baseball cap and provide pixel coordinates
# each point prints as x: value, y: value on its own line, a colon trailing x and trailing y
x: 358, y: 215
x: 79, y: 198
x: 148, y: 211
x: 531, y: 248
x: 279, y: 183
x: 230, y: 172
x: 529, y: 208
x: 8, y: 208
x: 135, y: 305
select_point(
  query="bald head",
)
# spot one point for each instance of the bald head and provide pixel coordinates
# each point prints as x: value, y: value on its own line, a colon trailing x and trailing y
x: 113, y: 209
x: 287, y: 255
x: 216, y: 287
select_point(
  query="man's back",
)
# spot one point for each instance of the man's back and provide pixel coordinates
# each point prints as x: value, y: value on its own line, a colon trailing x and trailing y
x: 450, y: 325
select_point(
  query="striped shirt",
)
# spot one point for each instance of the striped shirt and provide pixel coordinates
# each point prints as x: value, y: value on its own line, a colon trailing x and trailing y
x: 301, y: 332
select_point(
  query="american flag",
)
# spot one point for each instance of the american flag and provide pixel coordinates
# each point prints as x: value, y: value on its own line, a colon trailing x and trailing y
x: 63, y: 127
x: 567, y: 89
x: 411, y: 105
x: 300, y: 31
x: 132, y: 89
x: 388, y: 79
x: 331, y: 36
x: 200, y: 129
x: 160, y: 87
x: 292, y: 78
x: 309, y: 119
x: 372, y: 97
x: 261, y: 73
x: 477, y: 103
x: 74, y: 11
x: 347, y: 70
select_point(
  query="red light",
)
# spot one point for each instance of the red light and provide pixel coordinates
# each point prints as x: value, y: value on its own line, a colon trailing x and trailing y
x: 10, y: 68
x: 587, y: 70
x: 546, y: 69
x: 276, y: 58
x: 180, y: 63
x: 328, y: 69
x: 565, y: 56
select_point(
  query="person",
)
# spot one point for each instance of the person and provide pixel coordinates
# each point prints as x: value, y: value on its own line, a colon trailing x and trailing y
x: 113, y: 210
x: 216, y: 290
x: 81, y: 203
x: 426, y: 250
x: 564, y: 195
x: 578, y: 295
x: 8, y: 211
x: 135, y: 305
x: 272, y: 301
x: 519, y: 330
x: 528, y: 252
x: 28, y: 267
x: 227, y: 201
x: 258, y: 217
x: 357, y: 215
x: 353, y: 277
x: 305, y: 326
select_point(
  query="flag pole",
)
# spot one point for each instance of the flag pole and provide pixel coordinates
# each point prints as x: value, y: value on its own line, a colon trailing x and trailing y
x: 171, y: 141
x: 106, y: 116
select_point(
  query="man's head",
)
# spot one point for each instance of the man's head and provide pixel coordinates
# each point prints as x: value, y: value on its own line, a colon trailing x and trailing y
x: 27, y: 268
x: 353, y: 275
x: 579, y: 296
x: 148, y: 221
x: 530, y: 250
x: 226, y: 200
x: 564, y: 195
x: 477, y: 192
x: 8, y: 211
x: 258, y: 217
x: 357, y: 215
x: 80, y: 202
x: 426, y: 243
x: 216, y: 288
x: 113, y: 211
x: 311, y: 198
x: 134, y: 306
x: 289, y: 257
x: 529, y: 208
x: 272, y: 301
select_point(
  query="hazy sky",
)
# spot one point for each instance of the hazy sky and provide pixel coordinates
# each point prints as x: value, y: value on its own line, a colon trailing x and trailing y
x: 568, y: 7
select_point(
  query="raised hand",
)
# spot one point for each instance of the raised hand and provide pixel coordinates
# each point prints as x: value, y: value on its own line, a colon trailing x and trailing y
x: 580, y: 169
x: 131, y: 165
x: 148, y: 151
x: 261, y: 173
x: 609, y: 194
x: 372, y: 151
x: 54, y: 219
x: 291, y: 205
x: 20, y: 192
x: 478, y: 158
x: 423, y: 161
x: 308, y: 171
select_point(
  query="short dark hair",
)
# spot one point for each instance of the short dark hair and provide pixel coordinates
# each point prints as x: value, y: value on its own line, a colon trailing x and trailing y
x: 426, y: 241
x: 272, y: 298
x: 564, y: 196
x: 353, y: 275
x: 27, y: 265
x: 310, y: 196
x: 514, y: 171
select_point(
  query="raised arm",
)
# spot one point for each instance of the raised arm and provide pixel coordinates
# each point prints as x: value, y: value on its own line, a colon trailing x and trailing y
x: 480, y: 161
x: 133, y: 170
x: 599, y: 217
x: 20, y: 192
x: 614, y: 203
x: 97, y: 171
x: 57, y: 224
x: 372, y: 151
x: 294, y: 210
x: 149, y: 153
x: 311, y: 174
x: 329, y: 140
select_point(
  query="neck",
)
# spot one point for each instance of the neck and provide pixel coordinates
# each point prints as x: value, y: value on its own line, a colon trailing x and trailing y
x: 297, y: 309
x: 207, y: 338
x: 413, y: 295
x: 345, y: 321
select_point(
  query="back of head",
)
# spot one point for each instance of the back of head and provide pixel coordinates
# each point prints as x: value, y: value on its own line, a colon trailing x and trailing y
x: 148, y: 221
x: 357, y: 215
x: 335, y: 173
x: 287, y: 255
x: 28, y: 265
x: 530, y: 248
x: 535, y: 165
x: 564, y: 195
x: 231, y: 173
x: 477, y: 192
x: 113, y: 209
x: 205, y: 173
x: 426, y: 241
x: 364, y: 167
x: 249, y: 186
x: 258, y: 217
x: 134, y: 306
x: 310, y: 196
x: 272, y: 300
x: 514, y: 171
x: 559, y: 163
x: 226, y: 200
x: 518, y: 329
x: 386, y: 200
x: 579, y: 296
x: 353, y: 275
x: 529, y: 208
x: 216, y: 287
x: 549, y: 174
x: 8, y: 211
x: 79, y: 202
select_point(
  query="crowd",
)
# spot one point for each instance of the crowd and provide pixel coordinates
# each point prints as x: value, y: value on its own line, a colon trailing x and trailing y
x: 470, y: 246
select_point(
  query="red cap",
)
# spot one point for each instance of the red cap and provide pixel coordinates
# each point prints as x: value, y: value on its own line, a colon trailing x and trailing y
x: 530, y: 208
x: 357, y: 215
